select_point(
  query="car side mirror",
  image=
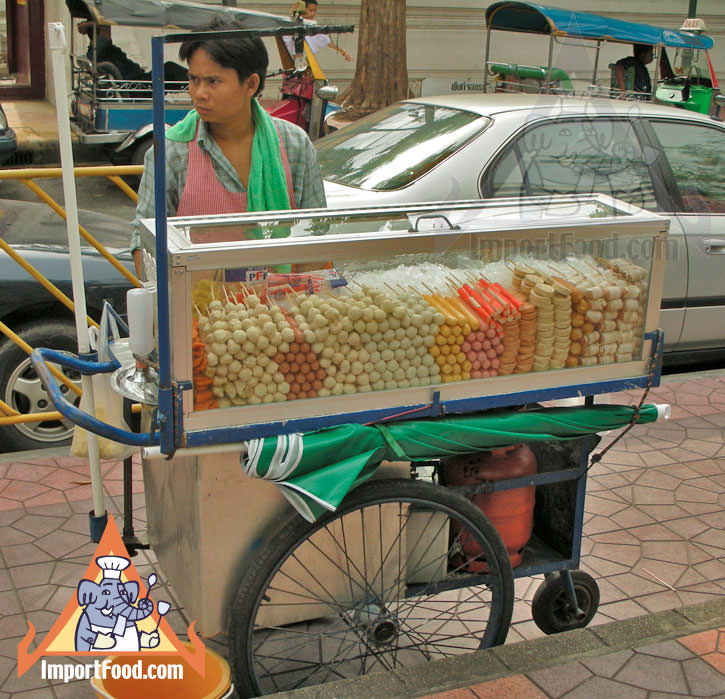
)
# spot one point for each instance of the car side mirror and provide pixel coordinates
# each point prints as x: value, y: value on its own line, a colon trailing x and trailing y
x: 327, y: 92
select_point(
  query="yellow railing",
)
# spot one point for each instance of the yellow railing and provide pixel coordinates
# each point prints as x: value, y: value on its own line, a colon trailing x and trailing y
x: 113, y: 173
x: 8, y: 415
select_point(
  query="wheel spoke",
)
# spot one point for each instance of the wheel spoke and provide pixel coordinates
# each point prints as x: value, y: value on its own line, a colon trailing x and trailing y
x: 283, y: 665
x: 380, y: 584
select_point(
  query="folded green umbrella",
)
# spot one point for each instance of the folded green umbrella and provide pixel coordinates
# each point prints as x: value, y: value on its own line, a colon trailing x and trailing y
x: 316, y: 470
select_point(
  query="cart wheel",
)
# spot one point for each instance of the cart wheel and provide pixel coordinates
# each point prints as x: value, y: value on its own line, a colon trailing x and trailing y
x: 552, y: 609
x: 381, y: 583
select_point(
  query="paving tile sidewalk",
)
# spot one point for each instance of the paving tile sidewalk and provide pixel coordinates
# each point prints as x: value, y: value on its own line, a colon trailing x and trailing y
x: 35, y: 123
x: 654, y: 656
x: 686, y: 666
x: 653, y: 540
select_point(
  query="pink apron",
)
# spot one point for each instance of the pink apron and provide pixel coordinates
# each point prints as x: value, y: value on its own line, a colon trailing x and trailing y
x: 204, y: 195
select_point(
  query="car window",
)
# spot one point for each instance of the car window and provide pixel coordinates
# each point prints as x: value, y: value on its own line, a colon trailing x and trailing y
x: 697, y: 158
x: 576, y: 157
x: 393, y: 147
x: 507, y: 179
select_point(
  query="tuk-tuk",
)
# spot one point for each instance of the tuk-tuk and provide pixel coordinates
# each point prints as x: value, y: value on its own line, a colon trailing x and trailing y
x: 111, y: 102
x: 688, y: 80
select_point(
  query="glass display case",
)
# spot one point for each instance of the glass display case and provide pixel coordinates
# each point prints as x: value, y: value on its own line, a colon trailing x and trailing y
x: 302, y: 319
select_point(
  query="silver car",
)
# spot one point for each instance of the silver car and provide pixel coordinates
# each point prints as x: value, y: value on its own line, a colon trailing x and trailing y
x: 471, y: 146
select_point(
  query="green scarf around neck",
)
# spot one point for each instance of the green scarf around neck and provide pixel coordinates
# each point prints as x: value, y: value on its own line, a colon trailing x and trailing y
x: 267, y: 187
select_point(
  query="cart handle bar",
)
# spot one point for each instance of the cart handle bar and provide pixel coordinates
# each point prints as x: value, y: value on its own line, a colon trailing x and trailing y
x: 39, y: 358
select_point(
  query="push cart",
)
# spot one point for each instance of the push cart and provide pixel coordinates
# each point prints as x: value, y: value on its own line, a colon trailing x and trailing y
x: 385, y: 567
x: 305, y: 377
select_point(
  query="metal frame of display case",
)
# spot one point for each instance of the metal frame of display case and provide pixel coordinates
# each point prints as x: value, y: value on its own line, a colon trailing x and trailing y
x: 177, y: 426
x: 171, y: 430
x: 204, y: 429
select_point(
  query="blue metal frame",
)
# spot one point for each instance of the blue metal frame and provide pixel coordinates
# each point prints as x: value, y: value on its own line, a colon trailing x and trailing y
x: 550, y: 560
x: 240, y: 433
x: 131, y: 117
x: 39, y: 358
x: 166, y: 392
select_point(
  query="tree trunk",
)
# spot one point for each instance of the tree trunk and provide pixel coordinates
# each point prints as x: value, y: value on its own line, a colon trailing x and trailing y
x: 381, y: 71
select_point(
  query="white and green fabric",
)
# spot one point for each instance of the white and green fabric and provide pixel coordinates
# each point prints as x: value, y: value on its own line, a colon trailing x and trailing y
x: 316, y: 470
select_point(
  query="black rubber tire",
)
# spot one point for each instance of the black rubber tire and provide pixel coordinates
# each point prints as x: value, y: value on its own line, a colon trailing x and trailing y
x: 140, y: 149
x: 20, y: 387
x: 356, y: 628
x: 551, y: 609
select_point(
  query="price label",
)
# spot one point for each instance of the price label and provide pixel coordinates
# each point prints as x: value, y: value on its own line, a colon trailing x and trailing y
x: 247, y: 275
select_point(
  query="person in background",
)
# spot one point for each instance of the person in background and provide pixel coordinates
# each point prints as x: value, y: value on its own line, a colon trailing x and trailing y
x: 103, y: 50
x: 631, y: 74
x: 228, y: 155
x: 316, y: 41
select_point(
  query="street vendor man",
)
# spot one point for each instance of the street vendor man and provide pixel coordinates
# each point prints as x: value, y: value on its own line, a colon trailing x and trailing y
x: 228, y: 155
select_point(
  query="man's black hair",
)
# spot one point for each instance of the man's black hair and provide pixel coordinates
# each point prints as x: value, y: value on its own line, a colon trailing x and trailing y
x: 641, y: 49
x: 243, y: 54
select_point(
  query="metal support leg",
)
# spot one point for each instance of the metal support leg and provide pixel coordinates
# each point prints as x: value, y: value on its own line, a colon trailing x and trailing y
x: 132, y: 542
x: 571, y: 595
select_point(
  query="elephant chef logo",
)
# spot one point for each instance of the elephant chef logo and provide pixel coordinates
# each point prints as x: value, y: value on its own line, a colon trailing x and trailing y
x: 112, y: 613
x: 112, y: 610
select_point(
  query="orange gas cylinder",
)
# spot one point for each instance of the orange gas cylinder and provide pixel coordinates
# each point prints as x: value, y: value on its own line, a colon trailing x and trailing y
x: 510, y: 511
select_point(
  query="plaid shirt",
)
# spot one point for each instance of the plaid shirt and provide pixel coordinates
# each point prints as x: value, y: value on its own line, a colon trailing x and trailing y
x: 306, y: 175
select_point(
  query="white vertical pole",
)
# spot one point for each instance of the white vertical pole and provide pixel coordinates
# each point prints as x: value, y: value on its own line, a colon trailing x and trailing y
x: 58, y: 53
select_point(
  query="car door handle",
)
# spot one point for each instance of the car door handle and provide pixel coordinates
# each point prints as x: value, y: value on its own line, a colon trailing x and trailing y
x: 714, y: 246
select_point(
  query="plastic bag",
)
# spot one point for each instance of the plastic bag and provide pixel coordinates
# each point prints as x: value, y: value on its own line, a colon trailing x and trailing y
x: 108, y: 403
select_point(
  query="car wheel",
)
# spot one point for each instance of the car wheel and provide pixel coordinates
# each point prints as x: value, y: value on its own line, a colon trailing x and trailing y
x: 21, y: 389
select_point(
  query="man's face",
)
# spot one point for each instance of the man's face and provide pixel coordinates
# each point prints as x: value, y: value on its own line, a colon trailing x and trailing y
x: 217, y: 93
x: 647, y: 56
